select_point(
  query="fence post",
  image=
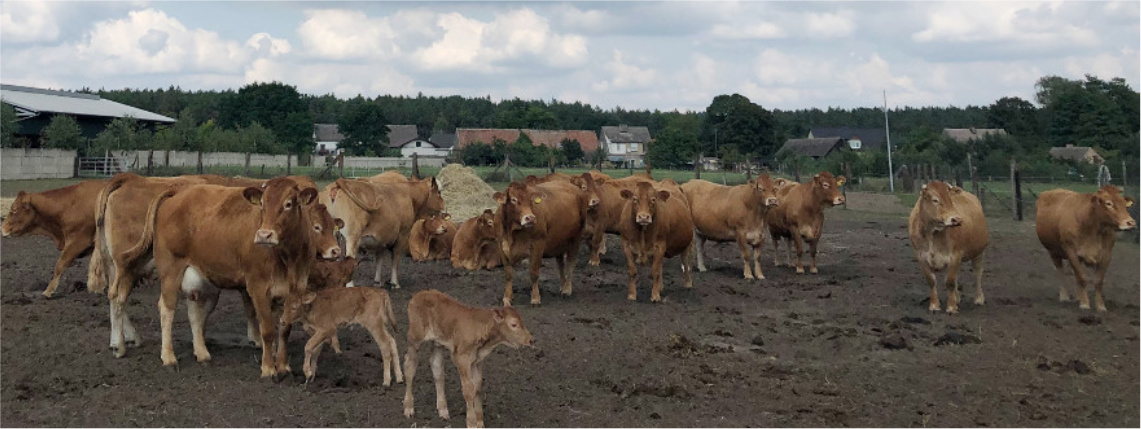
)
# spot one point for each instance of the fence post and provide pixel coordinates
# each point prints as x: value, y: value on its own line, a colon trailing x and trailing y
x: 1124, y: 173
x: 1016, y: 182
x: 415, y: 165
x: 697, y: 166
x: 958, y: 178
x: 150, y: 161
x: 341, y: 162
x: 199, y: 161
x: 507, y: 165
x: 247, y: 164
x: 289, y: 164
x: 551, y: 164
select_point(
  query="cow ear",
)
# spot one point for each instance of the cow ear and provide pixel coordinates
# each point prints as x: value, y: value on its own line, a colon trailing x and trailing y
x: 499, y: 197
x: 924, y: 186
x: 752, y: 181
x: 21, y: 194
x: 956, y: 190
x: 664, y: 195
x: 498, y: 314
x: 340, y: 224
x: 531, y: 179
x: 253, y: 195
x: 489, y: 212
x: 817, y: 176
x: 307, y: 196
x: 308, y: 298
x: 840, y: 181
x: 599, y: 181
x: 627, y: 194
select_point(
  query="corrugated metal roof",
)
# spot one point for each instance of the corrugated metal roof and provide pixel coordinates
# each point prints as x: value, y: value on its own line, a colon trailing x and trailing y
x: 327, y: 133
x: 626, y: 134
x: 812, y: 147
x: 73, y: 103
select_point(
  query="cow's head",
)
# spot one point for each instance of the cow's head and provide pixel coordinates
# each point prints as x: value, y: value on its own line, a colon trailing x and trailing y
x: 473, y: 234
x: 21, y: 216
x: 937, y: 205
x: 296, y: 306
x: 324, y: 231
x: 517, y: 205
x: 435, y: 203
x: 644, y: 200
x: 281, y: 202
x: 1112, y: 208
x: 765, y: 190
x: 590, y: 185
x: 827, y: 188
x: 510, y: 326
x: 437, y: 224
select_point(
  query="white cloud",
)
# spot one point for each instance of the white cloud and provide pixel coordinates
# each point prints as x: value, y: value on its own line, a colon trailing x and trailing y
x: 518, y: 35
x: 1027, y: 23
x: 626, y: 76
x: 1104, y: 66
x: 149, y: 41
x: 459, y: 46
x: 340, y: 34
x: 757, y: 30
x: 28, y: 22
x: 267, y: 46
x: 829, y: 25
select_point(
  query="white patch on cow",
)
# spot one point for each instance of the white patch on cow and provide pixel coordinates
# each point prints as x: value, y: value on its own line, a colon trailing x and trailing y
x: 193, y: 281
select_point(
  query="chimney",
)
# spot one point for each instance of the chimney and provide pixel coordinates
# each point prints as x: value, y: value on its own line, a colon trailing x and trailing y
x: 623, y: 128
x: 1069, y: 145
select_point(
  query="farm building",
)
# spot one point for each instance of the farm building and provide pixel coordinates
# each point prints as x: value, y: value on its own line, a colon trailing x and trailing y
x: 965, y: 135
x: 550, y: 138
x: 816, y: 148
x: 407, y: 138
x: 1077, y: 153
x: 625, y: 145
x: 857, y: 139
x: 35, y: 108
x: 326, y: 137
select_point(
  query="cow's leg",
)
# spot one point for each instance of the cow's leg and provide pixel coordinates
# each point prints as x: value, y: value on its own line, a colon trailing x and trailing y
x: 438, y: 377
x: 394, y: 351
x: 313, y: 351
x: 197, y: 308
x: 508, y: 272
x: 1063, y: 287
x: 266, y: 325
x: 776, y: 249
x: 568, y: 281
x: 951, y: 282
x: 117, y: 299
x: 656, y: 272
x: 1099, y: 279
x: 379, y: 266
x: 415, y: 337
x: 813, y: 239
x: 743, y: 246
x: 687, y: 266
x: 398, y: 253
x: 757, y: 259
x: 561, y: 263
x: 631, y: 272
x: 796, y: 239
x: 171, y: 284
x: 536, y: 264
x: 1081, y: 276
x: 252, y: 333
x: 977, y: 266
x: 701, y: 253
x: 384, y: 342
x: 97, y: 266
x: 477, y: 382
x: 463, y: 366
x: 597, y: 247
x: 71, y: 250
x: 788, y: 251
x: 929, y: 275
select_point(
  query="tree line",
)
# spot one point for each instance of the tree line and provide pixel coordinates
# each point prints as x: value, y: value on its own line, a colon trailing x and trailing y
x: 275, y: 118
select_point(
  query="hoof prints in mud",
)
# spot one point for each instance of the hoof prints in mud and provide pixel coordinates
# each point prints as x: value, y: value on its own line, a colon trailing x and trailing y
x: 1074, y: 365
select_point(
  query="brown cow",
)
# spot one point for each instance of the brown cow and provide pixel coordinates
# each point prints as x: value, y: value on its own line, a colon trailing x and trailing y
x: 380, y: 215
x: 947, y: 228
x: 255, y: 238
x: 799, y: 216
x: 608, y: 213
x: 431, y: 238
x: 732, y: 213
x: 391, y: 176
x: 656, y: 223
x: 1081, y: 229
x: 323, y: 311
x: 536, y: 222
x: 65, y: 215
x: 469, y: 334
x: 476, y: 243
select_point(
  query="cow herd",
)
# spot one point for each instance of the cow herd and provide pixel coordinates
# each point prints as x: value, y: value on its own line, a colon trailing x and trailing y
x: 275, y: 242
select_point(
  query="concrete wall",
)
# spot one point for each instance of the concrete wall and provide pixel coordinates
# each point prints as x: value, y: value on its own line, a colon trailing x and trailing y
x: 368, y: 162
x: 19, y: 164
x: 137, y: 160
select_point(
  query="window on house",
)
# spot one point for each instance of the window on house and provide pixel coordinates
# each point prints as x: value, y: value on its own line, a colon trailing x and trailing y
x: 634, y: 147
x: 854, y: 143
x: 417, y: 144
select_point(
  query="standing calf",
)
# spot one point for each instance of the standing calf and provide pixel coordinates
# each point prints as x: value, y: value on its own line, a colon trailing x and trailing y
x: 469, y: 334
x: 947, y: 227
x: 323, y: 311
x: 1081, y: 228
x: 656, y: 224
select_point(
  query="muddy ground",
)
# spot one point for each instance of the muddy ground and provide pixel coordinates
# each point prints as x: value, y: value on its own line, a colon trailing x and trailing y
x: 852, y: 346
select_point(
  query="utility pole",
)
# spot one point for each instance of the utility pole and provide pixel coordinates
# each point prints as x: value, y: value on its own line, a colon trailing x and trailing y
x: 887, y: 134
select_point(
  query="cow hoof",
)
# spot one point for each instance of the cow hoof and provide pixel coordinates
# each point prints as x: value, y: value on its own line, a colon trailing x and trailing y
x: 536, y: 303
x: 118, y: 353
x: 799, y: 270
x: 632, y: 297
x: 933, y: 308
x: 701, y: 269
x: 309, y: 379
x: 1063, y: 298
x: 47, y: 295
x: 1101, y: 309
x: 254, y: 344
x: 980, y: 301
x: 444, y: 414
x: 205, y: 363
x: 656, y: 299
x: 594, y: 263
x: 750, y: 277
x: 409, y: 412
x: 813, y: 270
x: 952, y: 310
x: 1083, y: 306
x: 134, y: 344
x: 394, y: 285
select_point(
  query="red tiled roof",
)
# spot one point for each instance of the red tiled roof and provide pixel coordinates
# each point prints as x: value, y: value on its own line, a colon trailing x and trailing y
x: 466, y: 136
x: 550, y: 138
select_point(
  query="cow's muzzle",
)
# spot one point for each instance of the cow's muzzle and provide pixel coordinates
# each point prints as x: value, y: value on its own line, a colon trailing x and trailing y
x: 332, y: 253
x: 838, y: 201
x: 772, y: 202
x: 953, y: 221
x: 1125, y: 226
x: 266, y: 237
x: 527, y: 221
x: 644, y: 219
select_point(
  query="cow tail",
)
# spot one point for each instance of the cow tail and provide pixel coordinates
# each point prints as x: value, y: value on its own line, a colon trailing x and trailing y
x: 389, y: 313
x: 356, y: 199
x: 97, y: 278
x: 147, y: 239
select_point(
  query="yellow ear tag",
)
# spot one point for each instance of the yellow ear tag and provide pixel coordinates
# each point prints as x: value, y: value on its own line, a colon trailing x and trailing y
x: 448, y: 217
x: 1128, y: 203
x: 336, y: 228
x: 538, y: 200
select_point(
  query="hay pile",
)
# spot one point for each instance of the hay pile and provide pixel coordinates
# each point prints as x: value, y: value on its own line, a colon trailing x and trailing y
x: 5, y: 205
x: 465, y: 194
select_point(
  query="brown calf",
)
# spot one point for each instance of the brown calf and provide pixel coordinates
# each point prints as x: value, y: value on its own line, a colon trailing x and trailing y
x: 469, y: 334
x: 65, y: 215
x: 476, y: 243
x: 380, y: 215
x: 947, y: 227
x: 656, y: 223
x: 799, y: 215
x: 1081, y: 229
x: 255, y: 238
x: 608, y: 213
x: 321, y: 312
x: 431, y: 238
x: 536, y: 222
x: 732, y: 213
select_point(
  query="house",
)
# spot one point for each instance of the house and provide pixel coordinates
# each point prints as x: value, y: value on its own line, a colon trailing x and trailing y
x: 326, y: 137
x: 858, y: 139
x: 965, y: 135
x: 550, y: 138
x: 407, y: 138
x: 815, y: 148
x: 1077, y: 153
x: 35, y: 108
x: 625, y: 145
x: 444, y: 142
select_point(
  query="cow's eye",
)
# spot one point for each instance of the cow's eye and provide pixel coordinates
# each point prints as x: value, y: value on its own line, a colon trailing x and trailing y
x: 288, y: 205
x: 1109, y: 204
x: 935, y: 200
x: 317, y: 227
x: 514, y: 200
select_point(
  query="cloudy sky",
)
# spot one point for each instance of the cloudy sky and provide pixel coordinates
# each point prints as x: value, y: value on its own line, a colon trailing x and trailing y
x: 637, y: 55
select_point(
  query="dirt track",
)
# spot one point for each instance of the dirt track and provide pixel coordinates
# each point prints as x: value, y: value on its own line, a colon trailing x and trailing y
x: 787, y: 351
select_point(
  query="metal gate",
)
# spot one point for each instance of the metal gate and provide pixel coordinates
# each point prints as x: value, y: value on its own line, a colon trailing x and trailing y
x: 101, y: 166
